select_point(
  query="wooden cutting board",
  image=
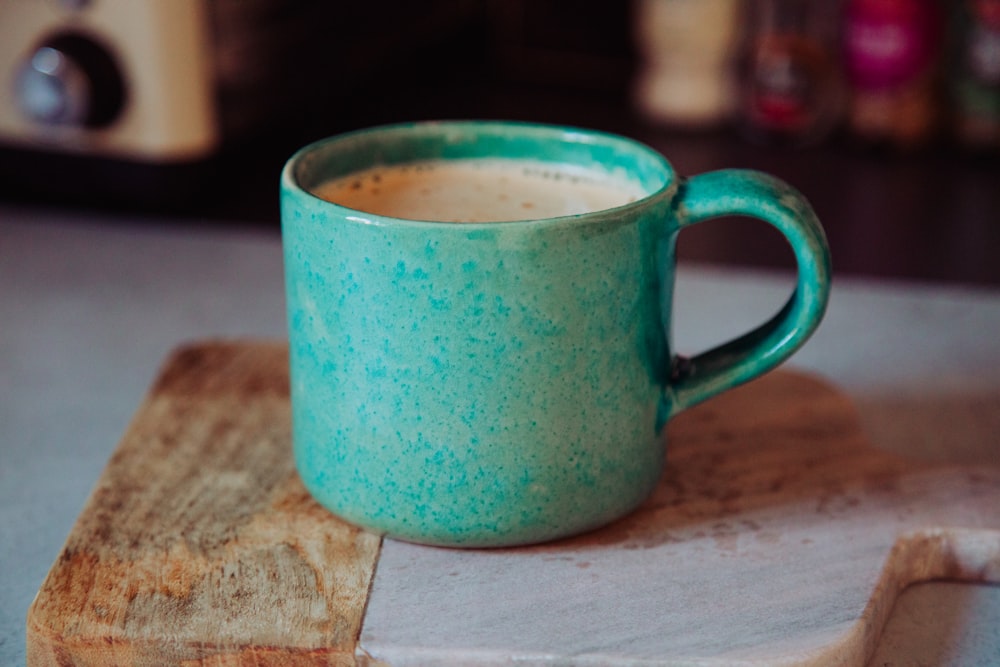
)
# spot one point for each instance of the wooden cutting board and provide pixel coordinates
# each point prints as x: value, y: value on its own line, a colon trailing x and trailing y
x: 199, y: 545
x: 776, y: 522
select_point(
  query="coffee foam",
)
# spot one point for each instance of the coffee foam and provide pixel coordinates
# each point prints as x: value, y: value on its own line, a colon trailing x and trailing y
x: 479, y: 190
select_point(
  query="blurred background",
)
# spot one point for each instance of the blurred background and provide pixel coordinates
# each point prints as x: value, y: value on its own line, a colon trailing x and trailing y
x: 884, y: 113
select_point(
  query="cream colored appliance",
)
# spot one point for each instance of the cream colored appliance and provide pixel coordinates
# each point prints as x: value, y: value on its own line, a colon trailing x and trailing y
x: 127, y: 79
x: 135, y: 99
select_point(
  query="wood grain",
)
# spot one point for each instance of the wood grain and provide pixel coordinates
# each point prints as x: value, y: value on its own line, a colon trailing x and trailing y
x: 199, y: 545
x: 778, y: 536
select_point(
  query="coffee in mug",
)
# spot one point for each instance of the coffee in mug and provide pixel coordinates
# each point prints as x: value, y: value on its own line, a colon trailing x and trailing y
x: 479, y: 190
x: 505, y: 380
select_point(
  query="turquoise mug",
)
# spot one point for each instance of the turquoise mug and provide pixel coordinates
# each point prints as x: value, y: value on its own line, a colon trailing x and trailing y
x: 502, y: 383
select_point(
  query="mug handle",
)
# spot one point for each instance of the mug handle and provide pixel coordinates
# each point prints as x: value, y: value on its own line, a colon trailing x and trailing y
x: 758, y: 195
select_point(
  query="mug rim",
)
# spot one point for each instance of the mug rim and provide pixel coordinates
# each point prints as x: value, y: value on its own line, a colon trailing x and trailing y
x: 291, y: 176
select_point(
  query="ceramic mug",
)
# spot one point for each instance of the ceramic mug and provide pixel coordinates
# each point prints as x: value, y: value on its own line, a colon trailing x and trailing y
x: 503, y: 383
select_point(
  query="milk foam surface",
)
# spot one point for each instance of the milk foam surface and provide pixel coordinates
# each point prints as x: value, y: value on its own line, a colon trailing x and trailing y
x: 479, y: 190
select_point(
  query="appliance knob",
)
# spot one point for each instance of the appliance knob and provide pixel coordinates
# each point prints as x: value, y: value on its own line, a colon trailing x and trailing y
x: 70, y: 79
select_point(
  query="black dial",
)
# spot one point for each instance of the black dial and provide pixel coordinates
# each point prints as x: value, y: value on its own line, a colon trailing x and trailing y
x: 70, y: 79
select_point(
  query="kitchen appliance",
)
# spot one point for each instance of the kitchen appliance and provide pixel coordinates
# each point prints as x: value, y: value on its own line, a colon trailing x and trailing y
x: 111, y: 78
x: 132, y: 100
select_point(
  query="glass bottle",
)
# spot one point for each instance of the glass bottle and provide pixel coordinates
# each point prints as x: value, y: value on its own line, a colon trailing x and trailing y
x: 892, y: 53
x: 974, y: 76
x: 791, y: 92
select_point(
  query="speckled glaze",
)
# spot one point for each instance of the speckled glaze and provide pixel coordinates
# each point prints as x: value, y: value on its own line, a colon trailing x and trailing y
x: 505, y: 383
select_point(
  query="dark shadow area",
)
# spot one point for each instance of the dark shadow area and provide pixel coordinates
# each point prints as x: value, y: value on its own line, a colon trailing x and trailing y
x: 927, y: 214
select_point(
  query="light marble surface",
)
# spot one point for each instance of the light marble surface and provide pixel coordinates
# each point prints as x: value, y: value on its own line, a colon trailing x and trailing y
x: 90, y: 306
x: 779, y: 536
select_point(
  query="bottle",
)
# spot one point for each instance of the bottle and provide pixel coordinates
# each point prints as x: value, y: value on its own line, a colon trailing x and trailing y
x: 686, y: 49
x: 791, y: 92
x: 892, y: 53
x: 974, y: 74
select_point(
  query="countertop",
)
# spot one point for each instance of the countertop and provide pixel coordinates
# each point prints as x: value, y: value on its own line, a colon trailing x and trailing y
x: 90, y: 305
